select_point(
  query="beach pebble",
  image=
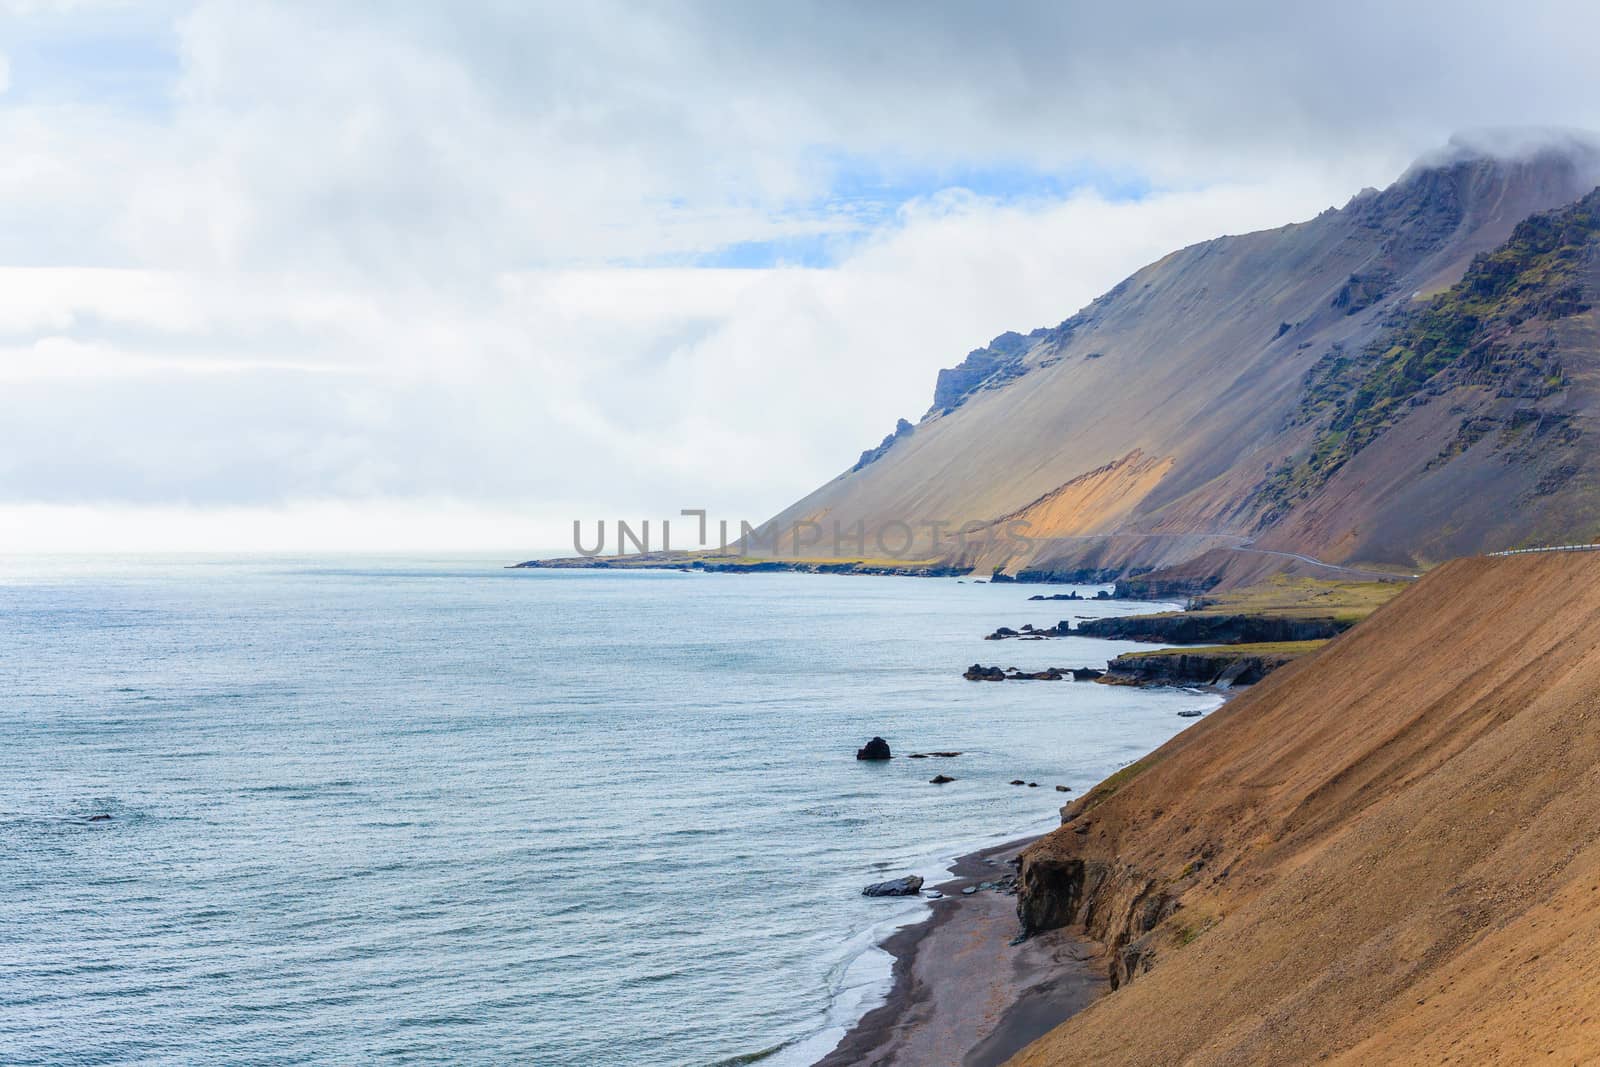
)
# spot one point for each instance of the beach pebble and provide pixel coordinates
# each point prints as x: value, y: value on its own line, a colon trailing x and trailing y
x: 934, y: 894
x: 971, y: 889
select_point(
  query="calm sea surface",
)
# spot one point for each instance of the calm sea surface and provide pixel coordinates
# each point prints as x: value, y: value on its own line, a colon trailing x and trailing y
x: 439, y: 811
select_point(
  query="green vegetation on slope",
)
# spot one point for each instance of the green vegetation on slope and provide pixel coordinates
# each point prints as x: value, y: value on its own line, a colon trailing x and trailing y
x: 1296, y: 598
x: 1463, y: 334
x: 1266, y: 648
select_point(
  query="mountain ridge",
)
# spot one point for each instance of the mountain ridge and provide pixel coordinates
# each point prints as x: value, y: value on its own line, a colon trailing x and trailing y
x: 1198, y: 362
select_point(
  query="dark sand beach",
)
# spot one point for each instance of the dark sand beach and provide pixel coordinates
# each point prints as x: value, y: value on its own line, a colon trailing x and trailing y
x: 964, y: 995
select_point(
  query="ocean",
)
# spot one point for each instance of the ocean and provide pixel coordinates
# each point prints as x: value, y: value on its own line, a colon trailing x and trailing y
x: 339, y: 810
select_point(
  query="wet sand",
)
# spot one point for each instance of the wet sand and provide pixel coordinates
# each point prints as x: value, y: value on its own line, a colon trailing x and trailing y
x: 963, y: 995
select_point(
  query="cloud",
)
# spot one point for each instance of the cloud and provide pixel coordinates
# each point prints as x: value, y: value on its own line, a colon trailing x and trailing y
x: 284, y: 259
x: 612, y: 393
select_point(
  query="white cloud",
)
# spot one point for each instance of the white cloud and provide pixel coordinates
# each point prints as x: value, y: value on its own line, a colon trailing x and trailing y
x: 620, y: 393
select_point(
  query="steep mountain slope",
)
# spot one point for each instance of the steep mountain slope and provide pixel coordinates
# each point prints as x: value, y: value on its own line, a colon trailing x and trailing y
x: 1284, y: 391
x: 1386, y: 853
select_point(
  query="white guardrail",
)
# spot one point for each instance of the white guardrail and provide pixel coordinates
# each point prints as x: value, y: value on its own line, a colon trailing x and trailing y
x: 1553, y: 548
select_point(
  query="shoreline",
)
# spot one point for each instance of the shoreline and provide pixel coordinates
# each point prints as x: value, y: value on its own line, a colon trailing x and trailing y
x: 961, y: 993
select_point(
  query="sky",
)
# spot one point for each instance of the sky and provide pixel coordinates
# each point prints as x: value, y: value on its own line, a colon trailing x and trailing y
x: 427, y: 276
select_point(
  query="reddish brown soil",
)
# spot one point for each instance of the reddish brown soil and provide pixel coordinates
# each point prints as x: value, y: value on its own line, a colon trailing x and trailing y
x: 1388, y: 852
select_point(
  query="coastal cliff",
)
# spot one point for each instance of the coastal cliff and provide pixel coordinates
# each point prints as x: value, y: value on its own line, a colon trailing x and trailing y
x: 1385, y: 851
x: 1196, y: 628
x: 1221, y: 665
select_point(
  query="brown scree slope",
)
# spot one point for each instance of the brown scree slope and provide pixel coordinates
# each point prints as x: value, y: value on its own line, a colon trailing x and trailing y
x: 1386, y: 853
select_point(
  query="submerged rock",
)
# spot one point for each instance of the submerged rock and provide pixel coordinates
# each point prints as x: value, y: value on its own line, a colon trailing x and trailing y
x: 909, y: 886
x: 940, y: 779
x: 875, y: 749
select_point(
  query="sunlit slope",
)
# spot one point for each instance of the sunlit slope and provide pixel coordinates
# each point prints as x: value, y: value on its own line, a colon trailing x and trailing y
x: 1385, y: 853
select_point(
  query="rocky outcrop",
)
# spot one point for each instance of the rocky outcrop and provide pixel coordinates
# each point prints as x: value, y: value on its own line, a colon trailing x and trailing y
x: 1072, y: 576
x: 876, y: 749
x: 1029, y: 632
x: 979, y: 673
x: 1114, y: 905
x: 909, y: 886
x: 872, y: 455
x: 1201, y: 628
x: 1223, y: 667
x: 989, y: 367
x: 1101, y: 594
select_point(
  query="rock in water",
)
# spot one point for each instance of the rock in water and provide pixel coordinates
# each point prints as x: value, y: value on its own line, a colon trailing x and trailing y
x: 940, y: 779
x: 909, y: 886
x: 877, y: 748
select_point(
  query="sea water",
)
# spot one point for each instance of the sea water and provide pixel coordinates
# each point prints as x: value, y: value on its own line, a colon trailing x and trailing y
x: 342, y: 810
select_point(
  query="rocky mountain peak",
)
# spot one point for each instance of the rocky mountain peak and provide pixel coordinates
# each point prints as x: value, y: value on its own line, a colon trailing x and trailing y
x: 1482, y: 170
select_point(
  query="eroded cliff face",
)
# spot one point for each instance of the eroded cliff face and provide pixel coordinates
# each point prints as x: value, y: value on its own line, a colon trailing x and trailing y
x: 1221, y: 666
x: 1289, y: 391
x: 1385, y: 852
x: 1210, y: 628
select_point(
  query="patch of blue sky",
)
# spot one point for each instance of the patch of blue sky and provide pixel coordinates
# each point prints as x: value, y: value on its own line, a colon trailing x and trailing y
x: 126, y: 59
x: 863, y: 183
x: 864, y: 198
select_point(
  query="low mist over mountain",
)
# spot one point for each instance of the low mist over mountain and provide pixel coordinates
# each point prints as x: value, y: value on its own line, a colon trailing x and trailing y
x: 1405, y: 379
